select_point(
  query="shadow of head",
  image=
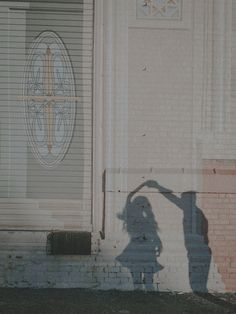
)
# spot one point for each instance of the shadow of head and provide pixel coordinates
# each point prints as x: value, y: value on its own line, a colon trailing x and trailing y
x: 138, y: 217
x: 140, y: 207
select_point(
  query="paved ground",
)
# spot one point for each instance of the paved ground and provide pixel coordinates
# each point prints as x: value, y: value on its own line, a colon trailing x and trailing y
x: 71, y: 301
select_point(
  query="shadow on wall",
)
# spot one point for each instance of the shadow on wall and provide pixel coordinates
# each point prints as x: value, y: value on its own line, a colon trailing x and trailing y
x: 140, y: 255
x: 195, y: 228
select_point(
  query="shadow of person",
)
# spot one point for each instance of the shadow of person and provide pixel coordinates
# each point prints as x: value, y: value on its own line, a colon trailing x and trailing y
x: 140, y: 255
x: 195, y: 228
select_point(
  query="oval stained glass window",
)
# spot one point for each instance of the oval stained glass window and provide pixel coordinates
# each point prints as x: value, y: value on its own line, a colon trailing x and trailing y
x: 50, y: 99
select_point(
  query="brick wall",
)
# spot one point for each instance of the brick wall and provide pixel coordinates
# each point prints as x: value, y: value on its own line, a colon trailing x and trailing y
x: 220, y: 209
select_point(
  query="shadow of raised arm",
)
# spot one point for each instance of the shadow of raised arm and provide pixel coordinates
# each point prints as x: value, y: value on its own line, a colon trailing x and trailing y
x: 167, y: 193
x: 122, y: 215
x: 149, y: 183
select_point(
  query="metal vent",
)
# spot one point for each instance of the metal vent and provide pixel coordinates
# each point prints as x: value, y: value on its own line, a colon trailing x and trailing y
x: 69, y: 243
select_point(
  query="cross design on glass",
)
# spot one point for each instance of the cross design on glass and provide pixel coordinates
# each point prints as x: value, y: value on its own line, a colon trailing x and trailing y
x: 49, y: 96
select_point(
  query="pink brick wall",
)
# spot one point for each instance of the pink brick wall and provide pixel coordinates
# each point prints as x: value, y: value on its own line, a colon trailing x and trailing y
x: 220, y: 210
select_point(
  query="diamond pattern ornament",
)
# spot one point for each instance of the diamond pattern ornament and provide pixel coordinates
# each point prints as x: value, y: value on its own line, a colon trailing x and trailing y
x: 159, y: 9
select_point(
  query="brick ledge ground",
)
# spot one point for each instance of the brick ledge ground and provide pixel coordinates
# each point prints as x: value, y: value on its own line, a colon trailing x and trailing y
x: 69, y: 301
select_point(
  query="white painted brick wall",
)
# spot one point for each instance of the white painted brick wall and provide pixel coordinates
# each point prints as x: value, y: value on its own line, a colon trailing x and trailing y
x: 157, y: 102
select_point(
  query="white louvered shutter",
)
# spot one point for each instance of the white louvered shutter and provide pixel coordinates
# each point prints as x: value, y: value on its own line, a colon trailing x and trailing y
x: 46, y: 57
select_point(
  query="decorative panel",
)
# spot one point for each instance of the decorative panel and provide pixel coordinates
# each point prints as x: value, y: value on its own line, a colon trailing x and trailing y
x: 172, y: 14
x: 159, y: 9
x: 49, y: 96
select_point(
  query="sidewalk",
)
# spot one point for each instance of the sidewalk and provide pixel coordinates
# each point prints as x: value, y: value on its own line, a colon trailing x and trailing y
x: 56, y: 301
